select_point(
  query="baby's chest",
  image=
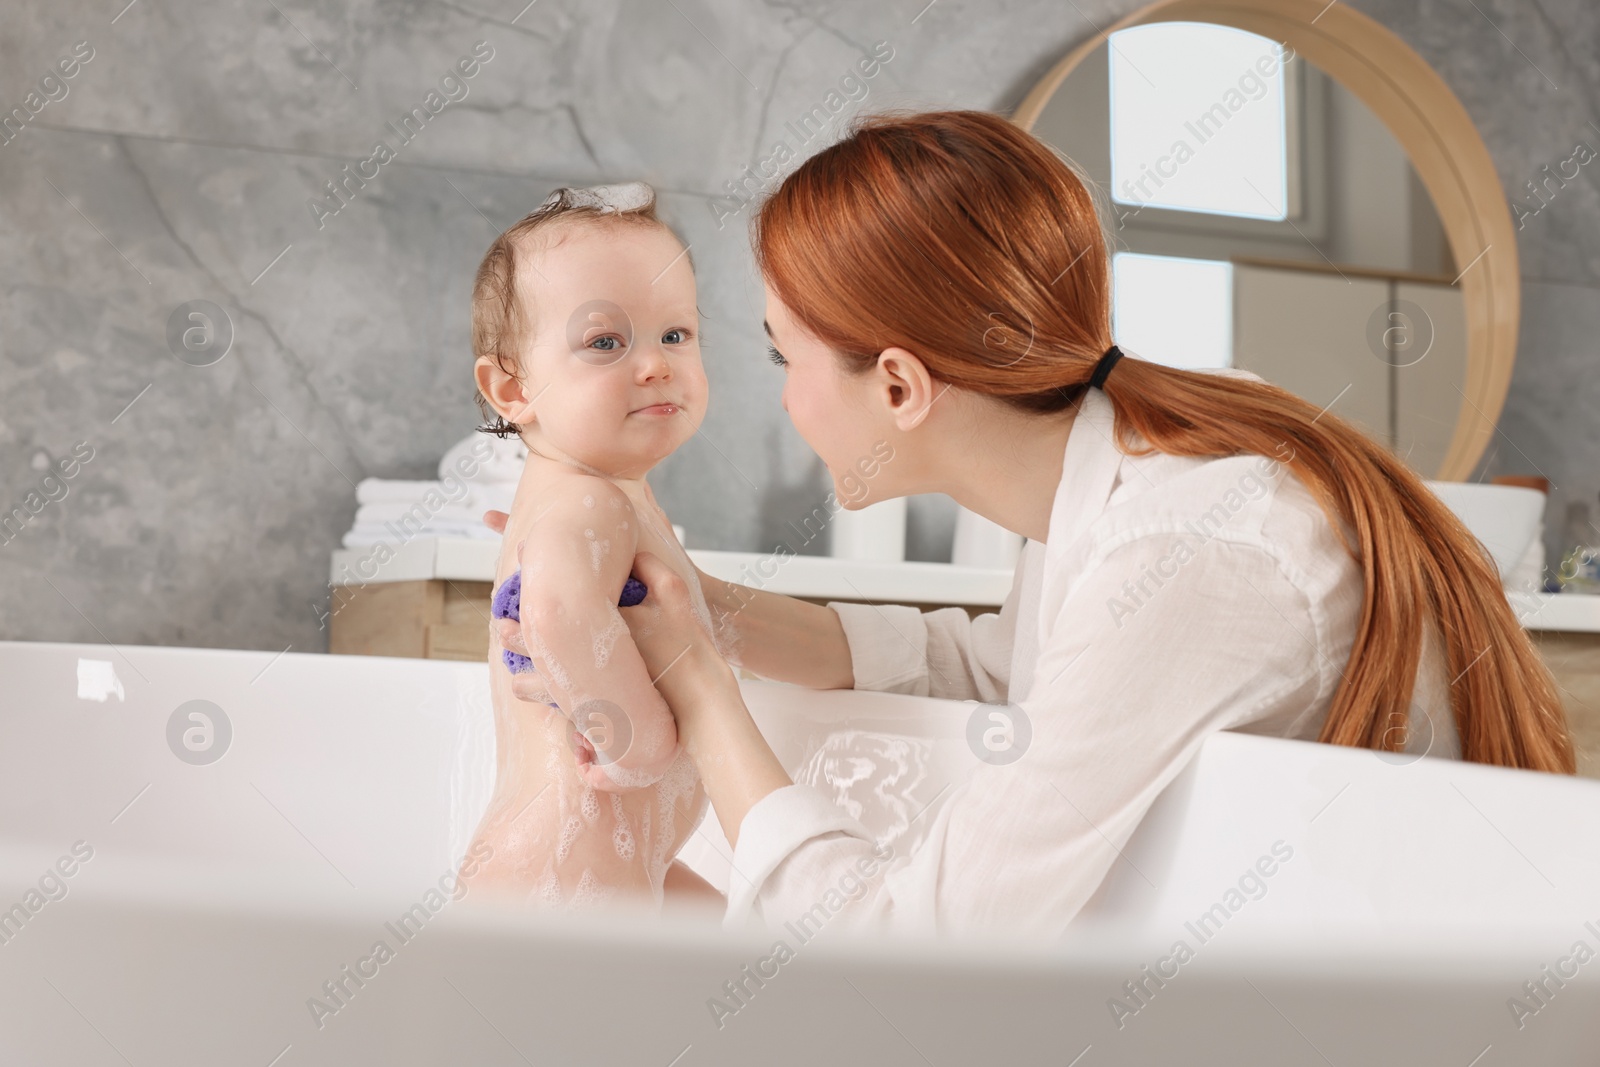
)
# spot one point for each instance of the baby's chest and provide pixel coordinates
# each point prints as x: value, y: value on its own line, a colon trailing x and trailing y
x: 655, y: 537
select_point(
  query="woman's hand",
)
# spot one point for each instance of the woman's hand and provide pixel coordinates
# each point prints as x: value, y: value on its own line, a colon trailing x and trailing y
x: 664, y: 615
x: 734, y: 760
x: 680, y: 655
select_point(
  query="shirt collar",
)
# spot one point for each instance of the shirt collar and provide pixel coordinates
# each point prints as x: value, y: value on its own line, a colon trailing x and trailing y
x: 1088, y: 470
x: 1088, y: 474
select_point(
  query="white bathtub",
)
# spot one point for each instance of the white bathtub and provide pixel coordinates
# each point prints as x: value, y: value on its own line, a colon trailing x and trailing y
x: 219, y: 897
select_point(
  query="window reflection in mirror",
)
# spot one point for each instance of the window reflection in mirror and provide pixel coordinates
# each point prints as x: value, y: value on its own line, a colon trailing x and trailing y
x: 1264, y: 218
x: 1207, y: 129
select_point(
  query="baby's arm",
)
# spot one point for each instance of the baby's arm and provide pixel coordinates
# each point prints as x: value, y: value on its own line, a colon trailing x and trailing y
x: 576, y: 559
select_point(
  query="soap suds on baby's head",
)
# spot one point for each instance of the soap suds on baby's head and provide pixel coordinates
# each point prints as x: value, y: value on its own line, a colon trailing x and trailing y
x: 588, y: 501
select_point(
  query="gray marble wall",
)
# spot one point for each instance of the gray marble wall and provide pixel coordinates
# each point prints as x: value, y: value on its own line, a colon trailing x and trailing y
x: 178, y: 161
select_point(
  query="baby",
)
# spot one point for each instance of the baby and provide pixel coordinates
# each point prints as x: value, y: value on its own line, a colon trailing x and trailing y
x: 586, y: 334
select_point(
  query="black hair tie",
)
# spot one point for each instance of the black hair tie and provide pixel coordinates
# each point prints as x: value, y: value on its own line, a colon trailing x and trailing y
x: 1102, y: 369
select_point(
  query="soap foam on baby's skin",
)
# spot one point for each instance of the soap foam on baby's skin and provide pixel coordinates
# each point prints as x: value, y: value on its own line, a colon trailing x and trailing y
x: 588, y: 865
x: 548, y: 891
x: 569, y: 834
x: 591, y: 892
x: 677, y: 785
x: 607, y: 639
x: 622, y: 836
x: 558, y: 674
x: 623, y: 778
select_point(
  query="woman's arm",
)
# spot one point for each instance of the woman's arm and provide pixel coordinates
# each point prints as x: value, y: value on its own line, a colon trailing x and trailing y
x: 1116, y: 706
x: 778, y: 636
x: 734, y: 760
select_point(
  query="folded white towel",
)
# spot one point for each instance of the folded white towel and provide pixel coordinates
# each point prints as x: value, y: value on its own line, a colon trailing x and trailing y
x: 477, y: 499
x: 363, y: 535
x: 414, y: 513
x: 384, y: 491
x: 483, y: 497
x: 507, y: 456
x: 392, y: 511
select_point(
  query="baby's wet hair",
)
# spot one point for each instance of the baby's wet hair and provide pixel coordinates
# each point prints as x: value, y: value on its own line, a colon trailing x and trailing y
x: 499, y: 322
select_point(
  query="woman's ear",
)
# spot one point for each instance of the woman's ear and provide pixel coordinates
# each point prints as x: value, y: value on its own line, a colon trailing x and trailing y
x: 909, y: 390
x: 504, y: 392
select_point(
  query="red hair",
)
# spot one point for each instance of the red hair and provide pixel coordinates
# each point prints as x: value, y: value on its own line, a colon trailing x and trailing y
x: 966, y: 240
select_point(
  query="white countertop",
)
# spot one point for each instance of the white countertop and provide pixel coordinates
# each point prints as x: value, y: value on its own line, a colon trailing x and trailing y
x: 820, y: 577
x: 825, y: 578
x: 1561, y: 612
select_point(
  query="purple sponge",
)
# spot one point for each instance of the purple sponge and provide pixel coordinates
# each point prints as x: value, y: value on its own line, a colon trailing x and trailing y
x: 507, y: 604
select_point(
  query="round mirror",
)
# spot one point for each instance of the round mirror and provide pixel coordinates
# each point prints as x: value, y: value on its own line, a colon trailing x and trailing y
x: 1292, y: 191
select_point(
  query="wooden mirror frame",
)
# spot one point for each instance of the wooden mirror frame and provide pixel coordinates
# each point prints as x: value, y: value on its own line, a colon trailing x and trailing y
x: 1445, y: 148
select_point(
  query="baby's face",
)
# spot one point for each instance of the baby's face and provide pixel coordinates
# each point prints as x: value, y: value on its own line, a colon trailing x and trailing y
x: 613, y: 368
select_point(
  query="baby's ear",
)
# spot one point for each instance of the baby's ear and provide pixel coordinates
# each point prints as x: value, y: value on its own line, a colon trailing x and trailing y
x: 504, y: 392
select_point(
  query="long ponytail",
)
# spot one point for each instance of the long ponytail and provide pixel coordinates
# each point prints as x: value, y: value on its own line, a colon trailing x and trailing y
x: 964, y: 239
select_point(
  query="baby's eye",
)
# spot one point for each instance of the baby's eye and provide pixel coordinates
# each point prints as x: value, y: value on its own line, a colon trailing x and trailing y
x: 608, y: 343
x: 675, y: 337
x: 776, y: 356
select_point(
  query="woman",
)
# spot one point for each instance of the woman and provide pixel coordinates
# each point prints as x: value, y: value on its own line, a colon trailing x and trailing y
x: 1205, y: 551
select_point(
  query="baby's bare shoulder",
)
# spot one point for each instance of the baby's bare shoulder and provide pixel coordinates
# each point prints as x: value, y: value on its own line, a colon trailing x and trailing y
x: 574, y: 493
x: 572, y: 508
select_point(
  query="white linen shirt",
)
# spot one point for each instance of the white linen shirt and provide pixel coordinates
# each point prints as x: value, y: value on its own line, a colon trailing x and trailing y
x: 1174, y: 597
